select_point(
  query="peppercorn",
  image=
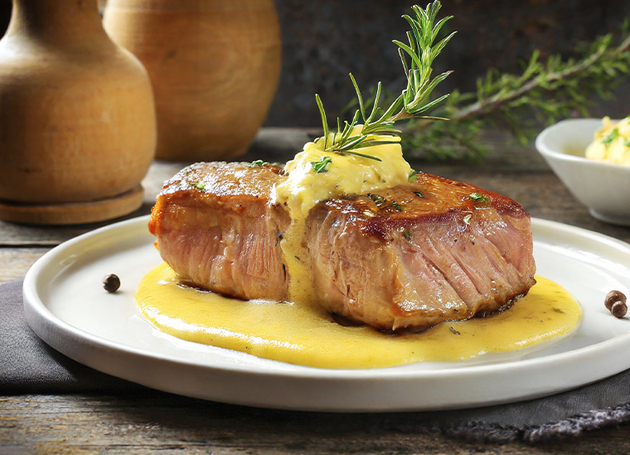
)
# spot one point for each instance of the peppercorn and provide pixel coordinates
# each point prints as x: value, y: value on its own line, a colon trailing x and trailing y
x: 614, y: 296
x: 619, y: 309
x: 111, y: 283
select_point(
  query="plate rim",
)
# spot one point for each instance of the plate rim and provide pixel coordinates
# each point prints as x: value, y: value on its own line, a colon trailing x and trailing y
x: 46, y: 325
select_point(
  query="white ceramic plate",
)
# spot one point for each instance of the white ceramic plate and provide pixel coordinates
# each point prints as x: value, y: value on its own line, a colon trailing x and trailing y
x: 65, y: 304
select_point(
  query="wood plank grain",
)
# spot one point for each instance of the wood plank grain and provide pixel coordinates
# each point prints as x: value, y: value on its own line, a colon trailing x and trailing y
x: 156, y: 422
x: 13, y: 234
x: 16, y: 261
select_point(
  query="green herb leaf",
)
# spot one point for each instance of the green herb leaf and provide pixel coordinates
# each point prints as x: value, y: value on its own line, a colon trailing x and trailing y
x: 362, y: 155
x: 258, y: 163
x: 413, y: 176
x: 477, y: 197
x: 614, y: 134
x: 418, y: 193
x: 321, y: 165
x: 396, y: 206
x: 377, y: 199
x: 407, y: 235
x: 200, y: 185
x: 414, y: 102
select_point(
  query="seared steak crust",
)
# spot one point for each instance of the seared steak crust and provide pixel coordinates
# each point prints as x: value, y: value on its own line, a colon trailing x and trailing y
x: 217, y: 229
x: 414, y: 256
x: 406, y: 257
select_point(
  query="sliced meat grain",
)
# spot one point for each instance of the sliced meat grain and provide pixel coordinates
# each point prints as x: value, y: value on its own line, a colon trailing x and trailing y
x: 217, y: 229
x: 414, y: 256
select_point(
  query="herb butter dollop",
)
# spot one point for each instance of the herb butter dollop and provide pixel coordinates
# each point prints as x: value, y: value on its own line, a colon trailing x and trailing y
x: 612, y: 142
x: 316, y: 175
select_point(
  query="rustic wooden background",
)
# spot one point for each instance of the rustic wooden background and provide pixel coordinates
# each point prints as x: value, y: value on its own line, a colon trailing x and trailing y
x: 323, y: 41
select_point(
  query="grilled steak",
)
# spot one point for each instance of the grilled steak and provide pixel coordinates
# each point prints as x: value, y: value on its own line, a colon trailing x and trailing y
x: 406, y: 257
x: 216, y: 228
x: 411, y: 257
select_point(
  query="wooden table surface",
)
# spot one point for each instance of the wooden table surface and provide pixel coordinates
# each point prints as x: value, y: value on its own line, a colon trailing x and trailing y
x: 152, y: 422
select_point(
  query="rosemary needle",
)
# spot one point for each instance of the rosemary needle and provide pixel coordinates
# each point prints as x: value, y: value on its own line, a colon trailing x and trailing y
x: 414, y: 102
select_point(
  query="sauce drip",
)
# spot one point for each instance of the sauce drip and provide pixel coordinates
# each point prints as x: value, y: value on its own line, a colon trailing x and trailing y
x: 305, y: 334
x: 345, y: 175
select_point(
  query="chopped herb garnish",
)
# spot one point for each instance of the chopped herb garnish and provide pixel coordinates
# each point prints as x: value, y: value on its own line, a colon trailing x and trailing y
x: 200, y: 185
x: 418, y: 193
x: 454, y: 331
x: 467, y: 218
x: 479, y: 197
x: 396, y: 206
x: 413, y: 176
x: 407, y: 235
x: 377, y: 199
x: 611, y: 137
x: 321, y: 165
x: 258, y: 163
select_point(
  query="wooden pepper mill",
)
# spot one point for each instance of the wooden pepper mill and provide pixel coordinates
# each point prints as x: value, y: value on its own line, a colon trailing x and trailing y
x: 77, y: 117
x: 214, y: 65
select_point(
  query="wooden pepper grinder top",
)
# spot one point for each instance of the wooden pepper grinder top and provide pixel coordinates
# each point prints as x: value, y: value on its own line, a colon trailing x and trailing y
x: 77, y: 117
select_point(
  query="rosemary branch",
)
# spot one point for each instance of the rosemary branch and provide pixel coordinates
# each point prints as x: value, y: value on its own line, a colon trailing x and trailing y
x: 484, y: 106
x: 417, y: 57
x: 542, y: 94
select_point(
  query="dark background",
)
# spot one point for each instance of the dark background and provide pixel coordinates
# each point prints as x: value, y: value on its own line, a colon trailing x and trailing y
x: 325, y: 40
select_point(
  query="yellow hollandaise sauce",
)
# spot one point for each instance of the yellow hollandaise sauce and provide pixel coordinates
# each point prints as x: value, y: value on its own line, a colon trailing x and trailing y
x: 304, y: 334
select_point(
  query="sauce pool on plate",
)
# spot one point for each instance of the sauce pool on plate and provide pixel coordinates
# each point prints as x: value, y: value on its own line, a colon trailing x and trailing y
x: 305, y: 334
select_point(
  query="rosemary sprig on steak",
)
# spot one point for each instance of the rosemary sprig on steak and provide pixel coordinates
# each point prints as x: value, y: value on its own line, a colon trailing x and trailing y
x: 415, y: 100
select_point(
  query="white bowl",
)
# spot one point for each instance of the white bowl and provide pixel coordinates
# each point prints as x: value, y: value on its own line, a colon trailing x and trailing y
x: 604, y: 188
